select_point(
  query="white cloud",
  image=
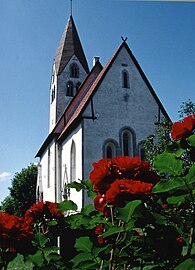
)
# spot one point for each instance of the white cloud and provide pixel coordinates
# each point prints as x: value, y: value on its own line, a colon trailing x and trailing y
x: 5, y: 176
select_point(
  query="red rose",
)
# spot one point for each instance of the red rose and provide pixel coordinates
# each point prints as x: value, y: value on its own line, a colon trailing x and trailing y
x: 99, y: 202
x: 53, y: 210
x: 127, y: 187
x: 12, y: 230
x: 182, y: 130
x: 42, y: 211
x: 125, y: 163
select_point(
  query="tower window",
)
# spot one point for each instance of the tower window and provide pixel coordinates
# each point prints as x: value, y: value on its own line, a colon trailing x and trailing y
x: 125, y: 79
x: 78, y: 85
x: 69, y: 89
x: 53, y: 94
x: 74, y: 71
x: 73, y: 162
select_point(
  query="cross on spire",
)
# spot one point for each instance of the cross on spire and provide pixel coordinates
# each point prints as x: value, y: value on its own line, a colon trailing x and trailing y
x: 124, y: 39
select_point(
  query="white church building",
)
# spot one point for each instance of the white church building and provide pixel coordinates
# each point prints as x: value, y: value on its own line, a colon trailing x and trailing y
x: 104, y: 112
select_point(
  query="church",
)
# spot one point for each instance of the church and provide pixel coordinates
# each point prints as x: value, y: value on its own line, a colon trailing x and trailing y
x: 99, y: 113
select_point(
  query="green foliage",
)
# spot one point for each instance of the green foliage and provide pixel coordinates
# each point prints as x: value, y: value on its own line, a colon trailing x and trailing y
x: 157, y: 143
x: 8, y: 205
x: 19, y: 263
x: 187, y: 108
x: 22, y: 191
x: 149, y: 231
x: 66, y: 206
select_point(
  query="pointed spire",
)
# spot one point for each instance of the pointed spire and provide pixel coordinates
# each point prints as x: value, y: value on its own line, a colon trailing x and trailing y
x: 69, y: 45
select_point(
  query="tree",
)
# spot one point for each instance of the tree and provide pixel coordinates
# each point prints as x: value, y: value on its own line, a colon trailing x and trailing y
x: 8, y: 205
x: 22, y: 191
x: 187, y: 108
x: 158, y: 142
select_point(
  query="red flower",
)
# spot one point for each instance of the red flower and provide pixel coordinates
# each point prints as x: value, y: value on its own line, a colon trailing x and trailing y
x: 42, y: 211
x: 101, y: 171
x: 99, y: 230
x: 100, y: 202
x: 12, y: 230
x: 106, y: 171
x: 128, y: 188
x: 182, y: 130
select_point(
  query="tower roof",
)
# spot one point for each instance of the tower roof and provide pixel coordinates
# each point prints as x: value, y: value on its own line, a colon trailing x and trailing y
x: 69, y: 45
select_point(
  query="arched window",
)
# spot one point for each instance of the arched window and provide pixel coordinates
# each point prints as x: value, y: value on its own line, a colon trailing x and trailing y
x: 125, y: 79
x: 73, y: 162
x: 127, y: 139
x: 110, y: 149
x: 74, y: 71
x: 69, y: 89
x: 53, y: 94
x: 77, y: 86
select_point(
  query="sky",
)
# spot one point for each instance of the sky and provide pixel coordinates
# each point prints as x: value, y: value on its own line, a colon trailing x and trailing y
x: 160, y: 34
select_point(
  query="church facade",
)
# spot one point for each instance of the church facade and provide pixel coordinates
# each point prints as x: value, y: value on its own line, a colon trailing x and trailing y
x: 105, y: 112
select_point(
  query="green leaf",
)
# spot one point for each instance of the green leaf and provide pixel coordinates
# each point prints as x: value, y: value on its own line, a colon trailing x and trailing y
x: 168, y: 163
x: 91, y: 194
x: 88, y: 209
x: 159, y: 219
x: 113, y: 230
x: 18, y: 263
x: 81, y: 257
x: 37, y: 258
x: 52, y: 223
x: 188, y: 264
x: 191, y: 140
x: 125, y: 214
x: 67, y: 205
x: 190, y: 177
x: 41, y: 239
x: 164, y: 186
x: 83, y: 244
x: 51, y: 253
x: 88, y: 184
x: 176, y: 199
x: 76, y: 185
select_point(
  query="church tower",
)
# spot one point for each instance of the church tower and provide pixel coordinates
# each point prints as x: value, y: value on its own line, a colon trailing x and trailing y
x: 70, y: 69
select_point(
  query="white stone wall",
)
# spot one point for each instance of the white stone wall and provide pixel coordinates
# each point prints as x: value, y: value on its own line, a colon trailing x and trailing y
x: 48, y: 187
x: 117, y: 107
x: 75, y: 136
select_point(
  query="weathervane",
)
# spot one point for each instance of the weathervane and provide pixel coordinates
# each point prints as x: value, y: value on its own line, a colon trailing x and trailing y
x: 124, y: 39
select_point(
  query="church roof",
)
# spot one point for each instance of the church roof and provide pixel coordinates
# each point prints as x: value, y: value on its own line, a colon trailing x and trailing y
x: 73, y: 113
x: 89, y: 94
x: 69, y: 45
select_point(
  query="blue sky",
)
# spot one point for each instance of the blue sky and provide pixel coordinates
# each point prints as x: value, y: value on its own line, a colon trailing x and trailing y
x: 161, y: 35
